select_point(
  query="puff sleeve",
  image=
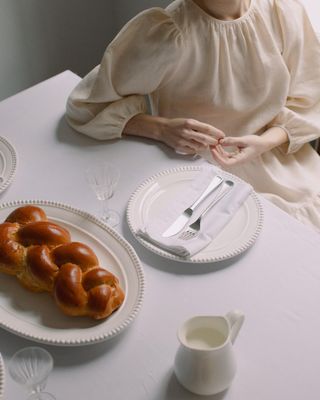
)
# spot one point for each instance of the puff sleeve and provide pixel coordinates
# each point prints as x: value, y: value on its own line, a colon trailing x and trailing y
x: 140, y: 59
x: 300, y: 116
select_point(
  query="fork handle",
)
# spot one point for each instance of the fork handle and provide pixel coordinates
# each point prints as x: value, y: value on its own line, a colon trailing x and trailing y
x: 227, y: 185
x: 214, y: 184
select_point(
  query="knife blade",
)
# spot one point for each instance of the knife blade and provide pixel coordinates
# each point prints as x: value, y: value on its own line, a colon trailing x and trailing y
x: 184, y: 217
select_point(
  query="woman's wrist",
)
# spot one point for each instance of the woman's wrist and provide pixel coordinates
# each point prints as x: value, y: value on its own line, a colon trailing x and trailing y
x: 145, y: 125
x: 274, y: 137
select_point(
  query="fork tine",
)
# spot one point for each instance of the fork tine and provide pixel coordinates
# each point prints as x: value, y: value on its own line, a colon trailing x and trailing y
x: 188, y: 234
x: 194, y: 229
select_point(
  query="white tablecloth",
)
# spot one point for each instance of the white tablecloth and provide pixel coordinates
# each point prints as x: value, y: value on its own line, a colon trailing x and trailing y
x: 276, y: 283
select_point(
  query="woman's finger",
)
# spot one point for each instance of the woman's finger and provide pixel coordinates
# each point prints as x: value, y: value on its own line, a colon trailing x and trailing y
x: 220, y: 158
x: 188, y: 146
x: 233, y: 141
x: 228, y: 153
x: 227, y: 161
x: 204, y: 128
x: 197, y: 145
x: 185, y: 150
x: 206, y: 140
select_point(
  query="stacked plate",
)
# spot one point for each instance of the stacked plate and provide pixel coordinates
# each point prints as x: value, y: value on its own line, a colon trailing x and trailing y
x: 1, y: 377
x: 8, y: 163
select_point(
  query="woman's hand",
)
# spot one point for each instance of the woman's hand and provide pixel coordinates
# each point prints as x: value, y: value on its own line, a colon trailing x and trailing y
x: 244, y: 148
x: 189, y: 135
x: 185, y: 135
x: 247, y: 148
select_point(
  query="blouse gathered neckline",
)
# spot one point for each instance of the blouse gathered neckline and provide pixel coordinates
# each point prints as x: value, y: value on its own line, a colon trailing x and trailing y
x: 211, y: 18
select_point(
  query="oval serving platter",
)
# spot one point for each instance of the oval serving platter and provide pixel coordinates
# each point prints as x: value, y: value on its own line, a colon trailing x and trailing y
x: 35, y: 315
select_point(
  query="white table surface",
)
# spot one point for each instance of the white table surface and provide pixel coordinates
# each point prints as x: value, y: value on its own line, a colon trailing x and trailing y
x: 276, y: 283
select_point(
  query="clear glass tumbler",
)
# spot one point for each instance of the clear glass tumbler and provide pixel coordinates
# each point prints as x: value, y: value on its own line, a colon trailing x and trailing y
x: 103, y: 178
x: 30, y: 367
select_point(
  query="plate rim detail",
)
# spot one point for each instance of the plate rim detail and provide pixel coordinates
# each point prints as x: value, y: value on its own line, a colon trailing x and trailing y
x: 1, y: 376
x: 12, y: 150
x: 136, y: 263
x: 173, y: 257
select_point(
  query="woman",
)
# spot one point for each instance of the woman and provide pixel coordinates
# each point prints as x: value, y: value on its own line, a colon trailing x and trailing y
x: 221, y: 75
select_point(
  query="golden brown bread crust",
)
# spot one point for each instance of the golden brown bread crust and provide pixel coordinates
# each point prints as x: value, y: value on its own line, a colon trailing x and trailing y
x: 12, y: 253
x: 42, y: 256
x: 93, y: 292
x: 42, y: 232
x: 25, y: 215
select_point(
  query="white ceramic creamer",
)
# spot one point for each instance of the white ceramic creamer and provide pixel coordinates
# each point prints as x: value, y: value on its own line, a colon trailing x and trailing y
x: 205, y: 362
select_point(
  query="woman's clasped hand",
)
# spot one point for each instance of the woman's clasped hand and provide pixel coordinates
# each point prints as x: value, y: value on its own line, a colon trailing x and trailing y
x: 232, y: 151
x: 189, y: 135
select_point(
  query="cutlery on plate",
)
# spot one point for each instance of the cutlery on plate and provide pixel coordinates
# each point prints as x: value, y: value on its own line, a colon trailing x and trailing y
x: 182, y: 220
x: 194, y: 228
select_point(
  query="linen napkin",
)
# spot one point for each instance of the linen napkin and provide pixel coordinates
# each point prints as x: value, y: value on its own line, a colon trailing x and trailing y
x: 211, y: 225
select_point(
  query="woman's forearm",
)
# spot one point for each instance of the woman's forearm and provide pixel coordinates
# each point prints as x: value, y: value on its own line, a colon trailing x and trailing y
x: 274, y: 137
x: 182, y: 134
x: 145, y: 125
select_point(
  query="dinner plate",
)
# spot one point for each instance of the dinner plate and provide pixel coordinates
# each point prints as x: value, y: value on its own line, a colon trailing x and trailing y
x: 1, y: 377
x: 35, y: 315
x: 159, y: 191
x: 8, y: 163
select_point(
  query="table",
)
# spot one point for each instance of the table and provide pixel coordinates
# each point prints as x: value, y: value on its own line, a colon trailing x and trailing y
x: 275, y: 283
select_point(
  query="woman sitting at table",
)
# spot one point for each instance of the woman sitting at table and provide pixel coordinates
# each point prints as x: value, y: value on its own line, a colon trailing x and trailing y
x: 220, y: 75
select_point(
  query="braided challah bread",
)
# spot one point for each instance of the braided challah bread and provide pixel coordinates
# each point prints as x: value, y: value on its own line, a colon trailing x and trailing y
x: 42, y: 256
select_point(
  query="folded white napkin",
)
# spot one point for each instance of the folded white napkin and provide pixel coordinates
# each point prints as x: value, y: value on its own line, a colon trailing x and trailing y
x: 213, y: 222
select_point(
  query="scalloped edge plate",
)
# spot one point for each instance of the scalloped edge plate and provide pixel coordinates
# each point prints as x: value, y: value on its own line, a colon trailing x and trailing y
x: 8, y: 159
x: 236, y: 237
x: 35, y: 315
x: 1, y: 377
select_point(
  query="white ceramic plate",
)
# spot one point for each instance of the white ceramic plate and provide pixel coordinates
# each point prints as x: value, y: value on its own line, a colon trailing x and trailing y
x: 1, y: 377
x: 35, y: 315
x: 8, y: 163
x: 160, y: 190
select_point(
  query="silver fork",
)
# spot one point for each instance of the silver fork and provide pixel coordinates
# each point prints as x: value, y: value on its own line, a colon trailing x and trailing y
x: 194, y: 228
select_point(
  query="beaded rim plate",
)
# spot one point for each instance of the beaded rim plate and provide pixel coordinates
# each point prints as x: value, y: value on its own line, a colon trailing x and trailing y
x: 1, y: 376
x: 35, y: 315
x: 160, y: 189
x: 8, y: 163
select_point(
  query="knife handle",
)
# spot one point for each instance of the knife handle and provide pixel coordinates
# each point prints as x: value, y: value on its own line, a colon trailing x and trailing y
x: 222, y: 192
x: 216, y: 181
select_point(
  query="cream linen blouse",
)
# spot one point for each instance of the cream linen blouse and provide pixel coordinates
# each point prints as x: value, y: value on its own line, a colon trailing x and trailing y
x: 241, y: 76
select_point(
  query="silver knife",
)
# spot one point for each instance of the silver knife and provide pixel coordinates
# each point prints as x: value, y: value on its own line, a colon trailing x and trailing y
x: 181, y: 221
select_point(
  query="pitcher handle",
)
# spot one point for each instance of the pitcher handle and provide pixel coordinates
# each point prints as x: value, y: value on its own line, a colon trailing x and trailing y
x: 235, y: 319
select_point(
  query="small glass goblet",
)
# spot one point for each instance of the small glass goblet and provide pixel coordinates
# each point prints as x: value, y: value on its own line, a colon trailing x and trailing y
x: 31, y: 367
x: 103, y: 178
